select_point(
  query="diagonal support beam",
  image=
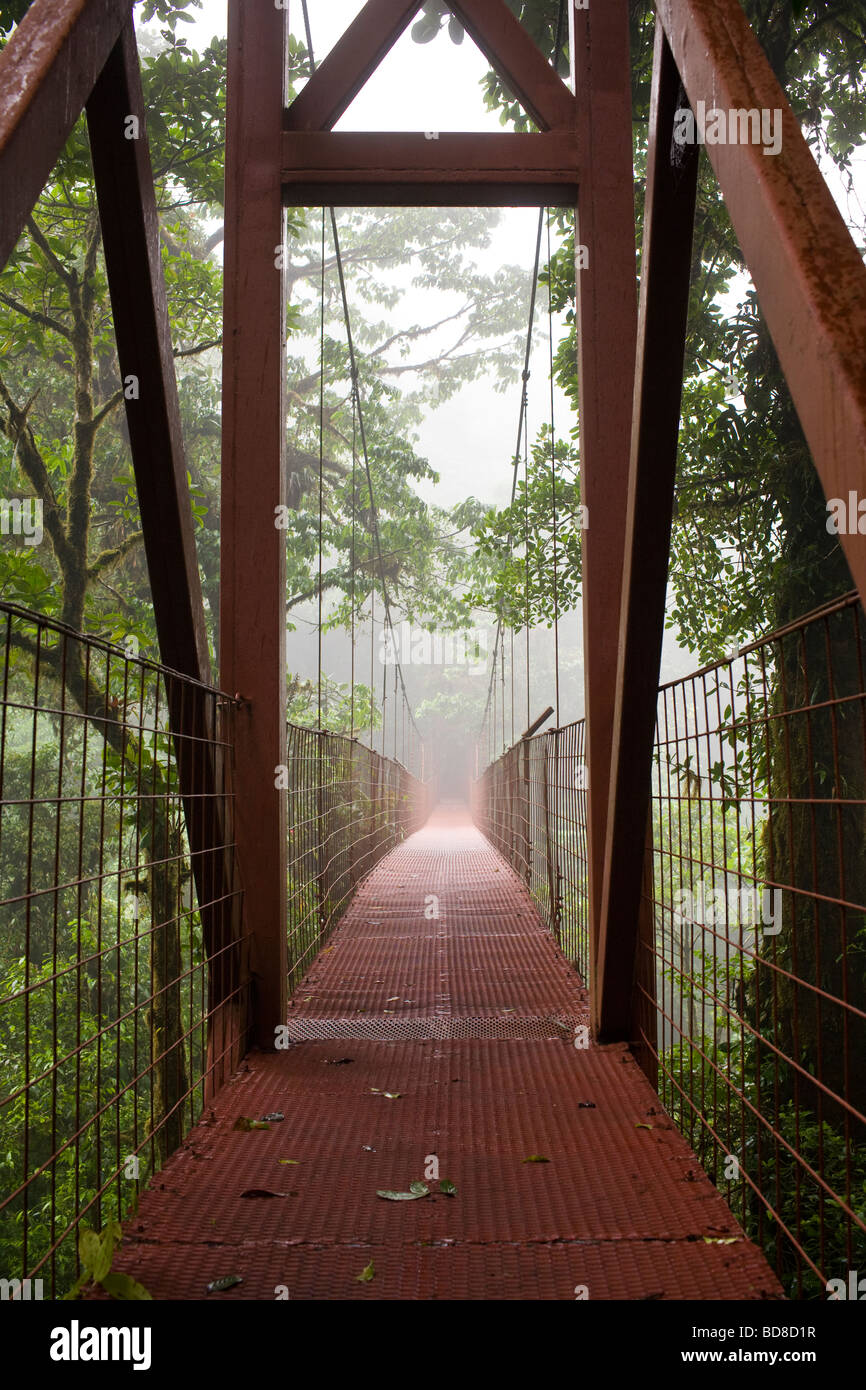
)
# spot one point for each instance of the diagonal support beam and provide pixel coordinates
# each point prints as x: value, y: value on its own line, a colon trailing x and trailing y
x: 130, y: 235
x: 351, y: 62
x: 666, y: 267
x: 509, y: 49
x: 47, y: 72
x: 810, y: 280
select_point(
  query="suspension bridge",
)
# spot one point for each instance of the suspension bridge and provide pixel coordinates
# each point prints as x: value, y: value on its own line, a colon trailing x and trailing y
x: 334, y: 1038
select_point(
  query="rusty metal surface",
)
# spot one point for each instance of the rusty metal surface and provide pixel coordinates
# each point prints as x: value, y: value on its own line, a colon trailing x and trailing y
x: 621, y: 1205
x: 253, y: 481
x: 809, y: 277
x: 130, y: 233
x: 669, y: 217
x: 606, y: 342
x: 507, y: 169
x: 47, y: 71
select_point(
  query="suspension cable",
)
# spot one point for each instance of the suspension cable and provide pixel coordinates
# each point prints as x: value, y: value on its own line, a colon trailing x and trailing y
x: 321, y: 464
x: 361, y: 427
x: 522, y: 438
x: 553, y: 471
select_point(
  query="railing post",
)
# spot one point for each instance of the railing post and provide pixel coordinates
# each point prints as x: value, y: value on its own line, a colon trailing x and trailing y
x: 527, y: 817
x: 644, y: 1013
x: 549, y: 845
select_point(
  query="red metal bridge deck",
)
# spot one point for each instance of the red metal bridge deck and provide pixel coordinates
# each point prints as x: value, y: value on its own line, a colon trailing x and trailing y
x: 469, y: 1019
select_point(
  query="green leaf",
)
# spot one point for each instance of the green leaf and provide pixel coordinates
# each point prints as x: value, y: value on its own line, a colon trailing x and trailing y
x: 536, y: 1158
x: 366, y: 1274
x: 244, y: 1124
x: 447, y: 1187
x: 97, y: 1249
x: 416, y: 1189
x: 226, y: 1281
x: 125, y: 1287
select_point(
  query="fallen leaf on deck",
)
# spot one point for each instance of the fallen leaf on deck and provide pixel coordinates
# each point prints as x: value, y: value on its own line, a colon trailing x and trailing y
x: 227, y: 1281
x: 416, y: 1189
x: 366, y: 1274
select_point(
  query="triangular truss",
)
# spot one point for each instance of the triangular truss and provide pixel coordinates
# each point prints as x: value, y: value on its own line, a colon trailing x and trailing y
x: 321, y: 166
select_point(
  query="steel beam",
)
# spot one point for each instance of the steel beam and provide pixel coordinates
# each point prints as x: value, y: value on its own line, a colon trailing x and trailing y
x: 664, y: 297
x: 47, y: 72
x: 253, y: 562
x: 348, y: 168
x: 354, y: 58
x: 130, y: 235
x: 509, y: 49
x: 810, y: 280
x: 607, y: 332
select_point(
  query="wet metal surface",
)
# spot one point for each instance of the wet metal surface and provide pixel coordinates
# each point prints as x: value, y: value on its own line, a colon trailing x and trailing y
x: 468, y: 1020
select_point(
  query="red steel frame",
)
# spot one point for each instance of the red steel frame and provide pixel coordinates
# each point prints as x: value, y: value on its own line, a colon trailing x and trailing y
x: 294, y: 156
x: 810, y: 282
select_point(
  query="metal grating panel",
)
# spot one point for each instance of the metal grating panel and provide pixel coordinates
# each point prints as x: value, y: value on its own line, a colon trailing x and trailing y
x: 304, y: 1029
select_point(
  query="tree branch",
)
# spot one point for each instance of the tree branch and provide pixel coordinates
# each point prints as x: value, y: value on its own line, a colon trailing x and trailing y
x: 108, y: 558
x: 43, y: 320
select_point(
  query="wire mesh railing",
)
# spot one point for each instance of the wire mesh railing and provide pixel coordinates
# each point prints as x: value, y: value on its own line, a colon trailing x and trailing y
x: 123, y: 977
x: 531, y: 804
x: 348, y: 806
x: 750, y: 978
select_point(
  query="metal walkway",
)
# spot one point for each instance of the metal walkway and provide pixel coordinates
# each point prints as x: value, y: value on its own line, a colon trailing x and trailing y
x: 469, y: 1020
